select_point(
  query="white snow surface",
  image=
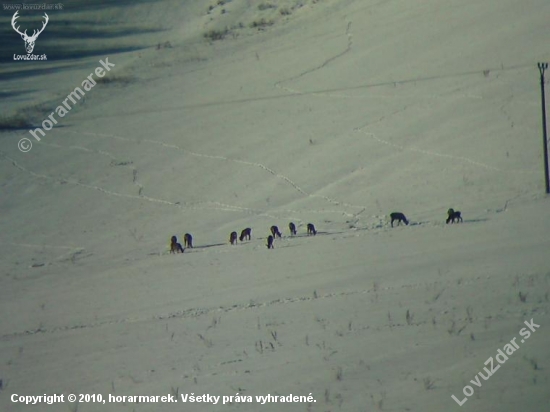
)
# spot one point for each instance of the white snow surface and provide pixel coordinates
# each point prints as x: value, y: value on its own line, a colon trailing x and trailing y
x: 338, y: 113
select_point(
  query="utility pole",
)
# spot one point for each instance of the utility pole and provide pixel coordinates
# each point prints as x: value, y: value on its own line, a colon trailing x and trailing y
x: 542, y: 68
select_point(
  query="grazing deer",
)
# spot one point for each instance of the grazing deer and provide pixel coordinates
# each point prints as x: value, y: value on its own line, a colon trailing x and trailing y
x: 29, y: 40
x: 292, y: 228
x: 233, y: 238
x: 311, y: 229
x: 270, y: 242
x: 188, y: 240
x: 452, y: 216
x: 400, y: 217
x: 245, y: 234
x: 275, y: 231
x: 175, y: 247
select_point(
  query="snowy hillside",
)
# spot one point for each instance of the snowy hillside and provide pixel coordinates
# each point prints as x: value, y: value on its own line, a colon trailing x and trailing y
x: 225, y: 115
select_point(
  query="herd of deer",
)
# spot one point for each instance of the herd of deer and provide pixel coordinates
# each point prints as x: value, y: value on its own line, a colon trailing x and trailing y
x: 452, y: 217
x: 246, y: 234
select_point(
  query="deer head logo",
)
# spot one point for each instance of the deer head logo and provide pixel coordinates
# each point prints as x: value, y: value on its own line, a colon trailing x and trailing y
x: 29, y: 40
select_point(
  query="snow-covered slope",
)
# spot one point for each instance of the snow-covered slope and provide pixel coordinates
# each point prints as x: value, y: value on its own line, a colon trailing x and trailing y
x: 330, y: 112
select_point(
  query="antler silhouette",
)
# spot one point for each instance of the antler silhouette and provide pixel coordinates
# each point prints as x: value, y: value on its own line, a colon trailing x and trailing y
x: 44, y: 23
x: 15, y: 17
x: 35, y: 33
x: 29, y: 40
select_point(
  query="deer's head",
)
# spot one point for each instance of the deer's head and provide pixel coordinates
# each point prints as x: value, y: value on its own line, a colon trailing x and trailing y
x: 29, y: 40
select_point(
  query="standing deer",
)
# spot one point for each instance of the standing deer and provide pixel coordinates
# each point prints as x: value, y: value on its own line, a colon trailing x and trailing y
x: 175, y: 247
x: 188, y: 240
x: 400, y: 217
x: 245, y: 234
x: 453, y: 215
x: 29, y: 40
x: 311, y: 229
x: 292, y: 228
x: 275, y: 231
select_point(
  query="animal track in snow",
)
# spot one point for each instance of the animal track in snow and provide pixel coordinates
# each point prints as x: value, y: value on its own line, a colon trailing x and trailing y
x: 238, y: 161
x: 199, y: 312
x: 71, y: 250
x: 314, y: 69
x: 134, y: 197
x: 114, y: 160
x: 436, y: 154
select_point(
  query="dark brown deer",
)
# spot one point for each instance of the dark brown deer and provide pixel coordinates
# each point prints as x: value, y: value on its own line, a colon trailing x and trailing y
x: 233, y: 238
x: 400, y: 217
x: 188, y: 240
x: 270, y: 242
x: 175, y: 247
x: 311, y: 229
x: 29, y: 40
x: 453, y: 215
x: 292, y: 228
x: 275, y: 231
x: 245, y: 234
